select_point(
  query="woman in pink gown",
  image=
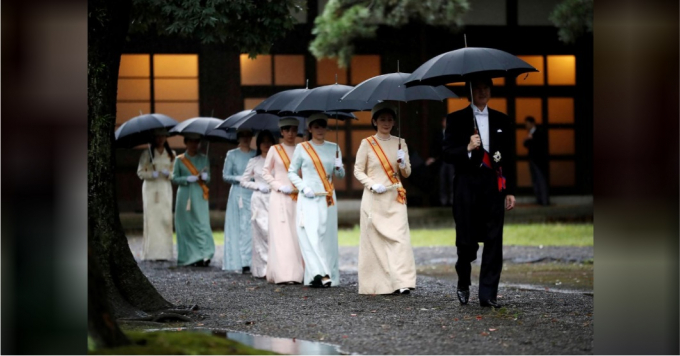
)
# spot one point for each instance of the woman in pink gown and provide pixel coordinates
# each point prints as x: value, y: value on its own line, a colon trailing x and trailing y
x: 284, y: 264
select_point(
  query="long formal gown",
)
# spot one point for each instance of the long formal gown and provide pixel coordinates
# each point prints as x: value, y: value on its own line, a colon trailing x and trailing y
x: 259, y: 209
x: 317, y: 223
x: 237, y: 234
x: 386, y: 260
x: 192, y: 215
x: 157, y: 200
x: 285, y: 262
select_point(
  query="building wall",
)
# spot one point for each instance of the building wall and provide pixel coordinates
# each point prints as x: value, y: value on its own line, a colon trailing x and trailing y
x: 197, y: 80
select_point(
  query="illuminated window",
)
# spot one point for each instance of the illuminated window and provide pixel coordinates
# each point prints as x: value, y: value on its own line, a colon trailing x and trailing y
x: 498, y: 82
x: 251, y: 103
x: 562, y: 70
x: 357, y: 136
x: 364, y: 67
x: 499, y: 104
x: 561, y: 110
x: 364, y: 118
x: 528, y: 107
x: 533, y: 78
x: 256, y: 71
x: 326, y: 70
x: 562, y: 174
x: 175, y: 87
x: 289, y: 70
x: 561, y: 141
x: 523, y: 174
x: 456, y: 104
x: 520, y: 135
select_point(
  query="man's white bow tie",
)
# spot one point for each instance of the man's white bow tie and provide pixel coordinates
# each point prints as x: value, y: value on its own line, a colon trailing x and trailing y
x: 482, y: 113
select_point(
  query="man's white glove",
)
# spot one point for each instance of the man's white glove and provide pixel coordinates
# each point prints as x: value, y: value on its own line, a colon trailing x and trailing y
x: 401, y: 158
x: 154, y: 174
x: 192, y: 179
x: 263, y: 188
x: 204, y: 176
x: 165, y: 172
x: 309, y: 193
x: 286, y: 189
x: 378, y: 188
x: 338, y: 162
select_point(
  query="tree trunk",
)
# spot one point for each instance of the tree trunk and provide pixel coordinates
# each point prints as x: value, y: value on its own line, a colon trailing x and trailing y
x: 128, y: 291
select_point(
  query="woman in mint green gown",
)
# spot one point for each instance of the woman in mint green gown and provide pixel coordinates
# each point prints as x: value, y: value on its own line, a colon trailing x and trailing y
x: 237, y: 226
x: 195, y: 244
x: 316, y: 211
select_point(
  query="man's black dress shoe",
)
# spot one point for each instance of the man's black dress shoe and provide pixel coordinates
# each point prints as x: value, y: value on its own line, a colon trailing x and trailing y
x: 245, y: 270
x: 490, y: 303
x: 463, y: 296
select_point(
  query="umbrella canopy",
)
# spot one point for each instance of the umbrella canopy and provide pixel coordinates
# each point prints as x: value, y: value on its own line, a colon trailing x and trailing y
x: 139, y: 129
x: 276, y: 102
x: 248, y: 119
x: 320, y: 99
x: 467, y: 63
x: 202, y: 126
x: 391, y: 87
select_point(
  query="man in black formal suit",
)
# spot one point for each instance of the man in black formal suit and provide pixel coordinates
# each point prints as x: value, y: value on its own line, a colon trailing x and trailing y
x: 536, y: 143
x: 478, y: 141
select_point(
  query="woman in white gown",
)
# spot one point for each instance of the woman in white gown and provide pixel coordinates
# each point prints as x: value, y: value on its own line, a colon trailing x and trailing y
x: 155, y: 169
x: 259, y: 203
x: 317, y: 212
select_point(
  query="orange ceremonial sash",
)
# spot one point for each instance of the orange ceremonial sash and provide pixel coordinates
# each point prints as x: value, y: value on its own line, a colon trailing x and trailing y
x: 194, y: 172
x: 318, y: 165
x: 387, y: 167
x: 286, y: 163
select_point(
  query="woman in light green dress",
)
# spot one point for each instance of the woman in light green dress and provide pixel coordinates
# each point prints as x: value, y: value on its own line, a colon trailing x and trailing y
x: 317, y: 212
x: 195, y: 245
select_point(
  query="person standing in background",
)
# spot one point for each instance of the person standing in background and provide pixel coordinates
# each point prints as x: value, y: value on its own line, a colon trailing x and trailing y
x: 284, y: 263
x: 237, y: 228
x: 446, y: 170
x: 155, y: 169
x: 259, y: 203
x: 536, y: 143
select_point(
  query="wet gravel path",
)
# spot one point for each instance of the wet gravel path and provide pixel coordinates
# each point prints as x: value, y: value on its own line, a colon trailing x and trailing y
x: 429, y: 321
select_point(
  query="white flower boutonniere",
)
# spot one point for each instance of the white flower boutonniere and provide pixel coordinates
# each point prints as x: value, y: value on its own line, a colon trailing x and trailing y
x: 497, y: 156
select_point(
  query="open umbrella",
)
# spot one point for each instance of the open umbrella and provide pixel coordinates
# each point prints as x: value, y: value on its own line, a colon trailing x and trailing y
x: 204, y: 127
x: 274, y: 103
x: 391, y: 87
x: 139, y: 129
x: 248, y: 119
x: 468, y: 63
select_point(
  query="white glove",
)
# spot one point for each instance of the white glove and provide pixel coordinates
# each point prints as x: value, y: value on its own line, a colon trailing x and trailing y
x: 401, y: 155
x: 263, y: 188
x: 165, y: 172
x: 192, y: 179
x: 286, y: 189
x: 154, y: 174
x: 309, y: 193
x: 378, y: 188
x: 338, y: 162
x: 204, y: 176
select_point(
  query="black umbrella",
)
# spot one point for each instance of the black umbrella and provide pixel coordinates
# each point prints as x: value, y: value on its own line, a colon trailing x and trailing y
x: 248, y: 119
x: 391, y: 87
x: 274, y: 103
x: 204, y: 127
x: 320, y: 99
x: 468, y: 63
x: 139, y: 129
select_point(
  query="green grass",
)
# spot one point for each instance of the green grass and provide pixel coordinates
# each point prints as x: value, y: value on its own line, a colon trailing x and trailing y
x: 179, y: 343
x: 515, y: 234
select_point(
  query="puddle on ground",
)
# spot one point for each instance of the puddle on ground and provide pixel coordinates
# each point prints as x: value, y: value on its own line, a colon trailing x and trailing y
x: 567, y: 277
x: 268, y: 343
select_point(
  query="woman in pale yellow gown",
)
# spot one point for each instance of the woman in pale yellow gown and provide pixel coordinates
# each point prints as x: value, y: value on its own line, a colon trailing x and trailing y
x: 386, y: 263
